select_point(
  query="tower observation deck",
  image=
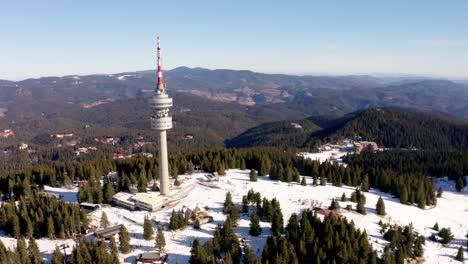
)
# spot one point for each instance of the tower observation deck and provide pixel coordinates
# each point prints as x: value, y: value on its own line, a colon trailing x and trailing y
x: 161, y: 120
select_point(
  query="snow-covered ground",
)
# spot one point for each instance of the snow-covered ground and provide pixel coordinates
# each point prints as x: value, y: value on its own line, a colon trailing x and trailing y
x: 65, y: 194
x: 451, y: 211
x: 124, y: 77
x: 330, y: 155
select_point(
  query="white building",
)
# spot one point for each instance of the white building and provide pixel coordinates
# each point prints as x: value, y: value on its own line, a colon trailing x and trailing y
x: 124, y: 199
x: 150, y: 201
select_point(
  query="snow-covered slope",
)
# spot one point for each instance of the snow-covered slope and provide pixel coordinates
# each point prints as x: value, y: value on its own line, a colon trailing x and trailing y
x: 451, y: 211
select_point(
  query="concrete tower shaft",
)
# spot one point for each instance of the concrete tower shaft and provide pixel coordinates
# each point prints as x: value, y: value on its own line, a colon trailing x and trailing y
x: 161, y: 120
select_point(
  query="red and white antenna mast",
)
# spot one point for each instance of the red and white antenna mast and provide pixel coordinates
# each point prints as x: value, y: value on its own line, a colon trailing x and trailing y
x: 160, y: 85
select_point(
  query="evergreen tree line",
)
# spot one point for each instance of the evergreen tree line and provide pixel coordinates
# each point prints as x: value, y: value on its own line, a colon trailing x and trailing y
x: 411, y: 188
x: 265, y: 210
x: 92, y: 252
x: 404, y: 243
x: 224, y: 243
x: 231, y: 209
x: 177, y: 220
x: 280, y: 165
x: 310, y: 240
x: 453, y: 164
x: 22, y: 254
x: 39, y: 215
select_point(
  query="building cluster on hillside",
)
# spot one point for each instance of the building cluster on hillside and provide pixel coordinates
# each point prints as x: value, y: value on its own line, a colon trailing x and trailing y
x: 150, y: 201
x: 116, y: 155
x: 365, y: 145
x: 108, y: 140
x: 334, y: 152
x: 347, y: 145
x: 153, y: 257
x: 197, y: 214
x: 6, y: 133
x: 140, y: 144
x: 84, y: 150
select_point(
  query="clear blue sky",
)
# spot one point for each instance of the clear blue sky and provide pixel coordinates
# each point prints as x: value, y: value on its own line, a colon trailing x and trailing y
x: 44, y: 38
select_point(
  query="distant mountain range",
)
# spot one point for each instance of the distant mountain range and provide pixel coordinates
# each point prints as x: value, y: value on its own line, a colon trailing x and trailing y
x: 215, y: 105
x: 340, y: 94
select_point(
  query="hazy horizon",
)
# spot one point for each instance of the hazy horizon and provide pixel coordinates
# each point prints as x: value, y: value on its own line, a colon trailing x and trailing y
x: 373, y: 74
x: 55, y: 38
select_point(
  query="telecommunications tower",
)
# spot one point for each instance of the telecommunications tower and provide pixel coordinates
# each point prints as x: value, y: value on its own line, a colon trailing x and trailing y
x: 161, y: 120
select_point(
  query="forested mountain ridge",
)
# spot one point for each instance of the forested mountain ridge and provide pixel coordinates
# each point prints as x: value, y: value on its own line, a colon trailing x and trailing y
x: 341, y: 94
x: 390, y: 127
x: 211, y: 105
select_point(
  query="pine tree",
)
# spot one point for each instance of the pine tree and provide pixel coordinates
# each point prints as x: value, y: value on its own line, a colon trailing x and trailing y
x: 124, y: 240
x: 446, y: 235
x: 228, y: 258
x: 421, y: 196
x: 242, y: 164
x: 380, y: 206
x: 343, y: 197
x: 108, y: 192
x: 142, y: 182
x: 404, y: 196
x: 221, y: 170
x: 245, y: 204
x: 173, y: 223
x: 436, y: 226
x: 230, y: 241
x: 360, y: 208
x: 322, y: 180
x: 303, y: 181
x: 21, y: 251
x: 228, y: 202
x: 147, y: 229
x: 197, y: 255
x: 334, y: 205
x: 293, y: 230
x: 114, y: 251
x: 460, y: 256
x: 4, y: 253
x: 250, y: 257
x: 155, y: 187
x: 190, y: 168
x: 255, y: 229
x: 314, y: 180
x: 176, y: 181
x: 277, y: 223
x: 104, y: 220
x: 34, y: 252
x: 160, y: 240
x: 253, y: 175
x: 459, y: 184
x: 197, y: 224
x: 50, y: 227
x: 365, y: 183
x: 354, y: 196
x: 57, y: 257
x: 234, y: 214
